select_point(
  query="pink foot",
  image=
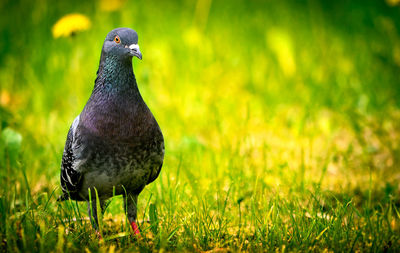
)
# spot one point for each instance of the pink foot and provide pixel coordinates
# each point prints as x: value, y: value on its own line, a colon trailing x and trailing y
x: 135, y: 228
x: 99, y: 235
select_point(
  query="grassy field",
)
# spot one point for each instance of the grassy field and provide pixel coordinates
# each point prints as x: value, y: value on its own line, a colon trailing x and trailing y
x: 281, y: 122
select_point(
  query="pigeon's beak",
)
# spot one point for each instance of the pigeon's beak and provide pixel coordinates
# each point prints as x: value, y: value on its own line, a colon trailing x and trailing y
x: 135, y: 51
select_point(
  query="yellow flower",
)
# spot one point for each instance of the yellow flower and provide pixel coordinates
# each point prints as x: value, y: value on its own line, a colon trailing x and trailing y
x: 111, y: 5
x: 392, y: 2
x: 70, y: 24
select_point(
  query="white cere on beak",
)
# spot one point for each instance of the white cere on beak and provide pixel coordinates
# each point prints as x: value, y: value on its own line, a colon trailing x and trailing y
x: 134, y: 46
x: 135, y: 50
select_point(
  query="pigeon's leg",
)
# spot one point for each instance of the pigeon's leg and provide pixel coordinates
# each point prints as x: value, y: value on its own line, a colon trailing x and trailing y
x: 130, y: 205
x: 93, y: 213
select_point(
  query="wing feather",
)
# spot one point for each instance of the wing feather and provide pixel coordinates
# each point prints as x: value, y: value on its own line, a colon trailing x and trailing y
x: 70, y: 177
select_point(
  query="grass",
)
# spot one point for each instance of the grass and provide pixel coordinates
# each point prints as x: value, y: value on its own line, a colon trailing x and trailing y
x: 281, y: 123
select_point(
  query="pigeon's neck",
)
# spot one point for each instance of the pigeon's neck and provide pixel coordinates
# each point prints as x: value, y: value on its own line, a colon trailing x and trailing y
x: 115, y: 75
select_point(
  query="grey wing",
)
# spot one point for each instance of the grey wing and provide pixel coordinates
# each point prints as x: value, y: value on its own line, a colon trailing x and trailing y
x: 70, y: 177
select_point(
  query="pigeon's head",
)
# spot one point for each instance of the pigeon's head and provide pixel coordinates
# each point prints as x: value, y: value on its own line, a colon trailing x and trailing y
x: 122, y: 43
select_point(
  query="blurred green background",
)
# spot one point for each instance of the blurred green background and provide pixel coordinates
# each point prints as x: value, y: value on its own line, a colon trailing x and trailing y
x: 257, y: 100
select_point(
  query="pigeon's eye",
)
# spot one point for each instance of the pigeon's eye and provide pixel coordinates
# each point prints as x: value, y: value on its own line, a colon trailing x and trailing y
x: 117, y: 39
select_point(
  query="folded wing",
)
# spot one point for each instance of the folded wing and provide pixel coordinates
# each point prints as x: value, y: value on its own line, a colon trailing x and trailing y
x: 70, y: 177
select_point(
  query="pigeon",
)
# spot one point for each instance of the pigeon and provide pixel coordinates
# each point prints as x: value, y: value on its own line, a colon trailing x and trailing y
x: 115, y: 146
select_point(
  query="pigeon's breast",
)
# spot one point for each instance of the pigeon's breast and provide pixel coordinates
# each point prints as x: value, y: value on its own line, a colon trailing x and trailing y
x: 118, y: 119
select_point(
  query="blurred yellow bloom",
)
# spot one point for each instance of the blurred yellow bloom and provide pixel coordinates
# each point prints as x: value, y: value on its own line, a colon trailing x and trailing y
x: 70, y: 24
x: 4, y: 98
x: 111, y: 5
x: 392, y: 2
